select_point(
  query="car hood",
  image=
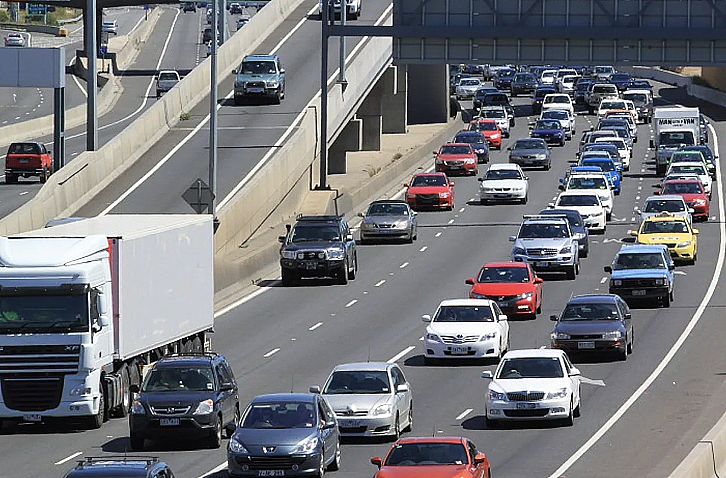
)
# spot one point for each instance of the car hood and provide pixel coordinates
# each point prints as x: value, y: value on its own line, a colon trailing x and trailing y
x: 461, y: 328
x: 494, y: 289
x: 589, y: 210
x: 638, y: 273
x: 356, y: 401
x: 267, y: 77
x: 693, y: 197
x: 427, y: 189
x: 316, y: 246
x: 430, y: 471
x: 586, y: 327
x: 174, y: 399
x: 527, y: 152
x: 661, y: 238
x: 503, y: 183
x: 385, y: 219
x: 280, y: 437
x: 529, y: 384
x: 537, y: 242
x: 454, y: 157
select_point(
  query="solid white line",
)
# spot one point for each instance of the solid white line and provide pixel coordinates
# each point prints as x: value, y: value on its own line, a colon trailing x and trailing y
x: 380, y: 283
x: 677, y: 345
x: 464, y: 413
x: 401, y: 354
x: 244, y: 299
x: 403, y: 265
x: 69, y: 458
x: 271, y: 352
x: 603, y: 280
x: 423, y: 248
x: 315, y: 326
x: 351, y: 302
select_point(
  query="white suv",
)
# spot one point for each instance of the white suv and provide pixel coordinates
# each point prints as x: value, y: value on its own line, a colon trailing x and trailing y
x: 558, y: 101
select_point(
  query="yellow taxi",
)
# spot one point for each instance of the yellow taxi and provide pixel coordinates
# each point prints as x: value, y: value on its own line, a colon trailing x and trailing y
x: 675, y: 232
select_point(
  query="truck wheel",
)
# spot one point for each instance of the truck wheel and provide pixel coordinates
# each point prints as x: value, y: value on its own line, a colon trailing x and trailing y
x: 343, y: 274
x: 96, y: 421
x: 197, y: 345
x: 123, y: 409
x: 11, y: 178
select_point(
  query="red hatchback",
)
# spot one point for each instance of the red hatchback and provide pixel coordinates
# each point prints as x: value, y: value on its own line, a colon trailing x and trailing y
x: 456, y: 158
x: 514, y: 286
x: 430, y: 190
x: 433, y: 457
x: 489, y: 129
x: 27, y: 159
x: 692, y: 192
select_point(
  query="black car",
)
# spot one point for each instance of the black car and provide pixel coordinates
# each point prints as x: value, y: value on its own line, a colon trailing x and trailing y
x: 478, y: 143
x: 539, y: 95
x: 621, y: 80
x: 577, y: 224
x: 639, y: 84
x: 523, y: 83
x: 285, y: 434
x: 580, y: 89
x: 185, y: 395
x: 478, y: 101
x: 207, y: 35
x: 594, y: 323
x: 503, y: 80
x: 189, y: 7
x: 495, y: 99
x: 703, y: 128
x: 115, y: 466
x: 234, y: 7
x: 318, y: 246
x: 707, y: 154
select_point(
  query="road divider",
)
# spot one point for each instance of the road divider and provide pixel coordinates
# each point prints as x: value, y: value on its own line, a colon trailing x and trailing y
x: 708, y: 457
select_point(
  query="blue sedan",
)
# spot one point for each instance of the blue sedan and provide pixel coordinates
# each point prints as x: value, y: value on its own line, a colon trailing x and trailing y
x: 549, y: 130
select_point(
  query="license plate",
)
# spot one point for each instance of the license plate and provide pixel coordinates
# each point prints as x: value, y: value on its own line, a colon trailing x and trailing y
x: 501, y: 195
x: 349, y: 423
x: 542, y: 264
x: 256, y: 90
x: 24, y: 160
x: 459, y: 350
x: 526, y: 406
x: 638, y: 292
x: 309, y: 265
x: 169, y: 422
x: 270, y: 472
x: 454, y: 167
x: 585, y: 345
x: 35, y: 417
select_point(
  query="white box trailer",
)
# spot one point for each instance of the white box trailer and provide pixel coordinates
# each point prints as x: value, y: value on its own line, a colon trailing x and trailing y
x: 112, y: 293
x: 674, y: 127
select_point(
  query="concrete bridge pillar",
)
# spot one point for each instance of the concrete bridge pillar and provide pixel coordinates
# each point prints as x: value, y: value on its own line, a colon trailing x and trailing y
x: 428, y: 94
x: 350, y: 139
x: 394, y: 100
x: 370, y: 112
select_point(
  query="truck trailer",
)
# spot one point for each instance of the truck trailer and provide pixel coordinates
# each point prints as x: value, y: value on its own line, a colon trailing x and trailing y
x: 85, y: 304
x: 674, y: 127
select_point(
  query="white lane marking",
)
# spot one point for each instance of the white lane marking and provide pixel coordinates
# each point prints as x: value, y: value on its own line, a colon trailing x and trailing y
x: 68, y: 458
x: 272, y: 352
x: 23, y: 193
x: 464, y: 413
x: 680, y: 273
x: 243, y: 300
x: 632, y: 219
x: 603, y: 280
x: 215, y: 470
x: 637, y: 198
x: 451, y: 221
x: 401, y: 354
x: 423, y: 248
x: 403, y: 265
x: 438, y: 234
x: 679, y: 342
x: 313, y: 327
x: 380, y: 283
x: 351, y: 302
x: 463, y: 208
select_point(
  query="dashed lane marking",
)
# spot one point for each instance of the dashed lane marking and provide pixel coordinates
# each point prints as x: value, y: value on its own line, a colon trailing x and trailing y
x: 603, y: 280
x: 380, y: 283
x: 313, y: 327
x: 68, y: 458
x: 351, y: 302
x: 464, y: 413
x: 438, y: 234
x: 401, y: 354
x: 403, y: 265
x: 271, y: 352
x: 423, y: 248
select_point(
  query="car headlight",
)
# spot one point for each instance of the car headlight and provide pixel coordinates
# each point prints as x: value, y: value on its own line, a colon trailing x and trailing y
x: 615, y: 334
x: 699, y: 202
x: 489, y: 336
x: 410, y: 195
x: 578, y: 235
x: 300, y: 255
x: 518, y: 188
x: 470, y: 161
x: 474, y: 295
x: 445, y: 195
x: 525, y: 295
x: 558, y: 134
x: 660, y: 282
x: 288, y: 254
x: 238, y: 84
x: 432, y: 337
x: 205, y: 407
x: 237, y: 447
x: 559, y: 336
x: 384, y: 409
x: 561, y: 393
x: 541, y: 156
x: 271, y: 84
x: 616, y: 282
x: 307, y: 446
x: 565, y: 250
x: 402, y: 224
x: 137, y: 408
x: 494, y: 395
x: 439, y: 161
x: 368, y: 225
x: 336, y: 254
x: 599, y: 213
x: 496, y: 135
x: 78, y: 391
x: 684, y: 244
x: 518, y: 251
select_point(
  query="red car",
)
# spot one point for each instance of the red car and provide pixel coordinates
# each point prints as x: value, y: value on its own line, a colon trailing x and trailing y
x: 693, y: 193
x: 514, y: 286
x: 433, y: 457
x: 27, y: 159
x: 456, y: 158
x: 430, y: 190
x: 489, y: 129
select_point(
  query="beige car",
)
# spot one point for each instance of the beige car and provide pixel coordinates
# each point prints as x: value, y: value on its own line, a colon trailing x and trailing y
x: 599, y: 92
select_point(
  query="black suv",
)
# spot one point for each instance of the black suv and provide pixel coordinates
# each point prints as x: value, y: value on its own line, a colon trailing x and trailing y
x: 318, y: 246
x: 189, y: 395
x: 127, y: 466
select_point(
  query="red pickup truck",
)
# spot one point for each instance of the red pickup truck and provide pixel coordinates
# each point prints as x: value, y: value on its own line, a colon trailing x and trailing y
x: 27, y: 159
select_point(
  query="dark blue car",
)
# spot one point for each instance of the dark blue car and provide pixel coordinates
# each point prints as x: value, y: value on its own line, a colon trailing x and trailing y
x: 539, y: 95
x: 621, y: 80
x: 478, y: 143
x: 550, y: 130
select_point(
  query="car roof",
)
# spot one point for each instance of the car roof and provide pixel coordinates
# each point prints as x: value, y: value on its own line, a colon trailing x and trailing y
x: 259, y: 57
x: 362, y: 366
x: 590, y: 298
x: 496, y: 166
x: 284, y: 397
x: 521, y: 265
x: 467, y: 145
x: 389, y: 201
x: 556, y: 210
x: 527, y: 353
x: 465, y: 302
x: 683, y: 181
x: 644, y: 248
x: 127, y: 466
x: 182, y: 360
x: 578, y: 192
x: 403, y: 441
x: 429, y: 174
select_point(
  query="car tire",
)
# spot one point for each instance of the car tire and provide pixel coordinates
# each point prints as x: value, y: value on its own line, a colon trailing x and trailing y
x: 215, y: 438
x: 278, y: 98
x: 571, y: 273
x: 288, y: 277
x: 44, y: 176
x: 126, y: 397
x: 343, y: 274
x: 396, y: 429
x: 232, y: 427
x: 351, y: 273
x: 562, y: 143
x: 335, y: 464
x: 524, y: 199
x: 321, y: 470
x: 137, y: 442
x: 570, y: 420
x: 576, y: 413
x: 585, y: 252
x: 490, y: 423
x: 608, y: 216
x: 11, y: 178
x: 409, y: 426
x: 629, y: 347
x: 666, y: 301
x: 547, y: 166
x: 623, y: 355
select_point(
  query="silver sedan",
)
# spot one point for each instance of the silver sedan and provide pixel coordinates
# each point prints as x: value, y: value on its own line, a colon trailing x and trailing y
x: 387, y: 220
x: 369, y: 399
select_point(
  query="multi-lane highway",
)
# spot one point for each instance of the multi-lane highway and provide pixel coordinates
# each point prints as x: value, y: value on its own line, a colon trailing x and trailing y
x: 281, y: 339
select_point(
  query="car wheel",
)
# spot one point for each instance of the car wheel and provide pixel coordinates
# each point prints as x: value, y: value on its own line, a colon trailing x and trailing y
x: 571, y: 273
x: 396, y: 429
x: 215, y: 438
x: 321, y: 470
x: 483, y: 201
x: 608, y: 216
x: 137, y: 442
x: 233, y: 426
x: 409, y: 426
x: 409, y: 239
x: 547, y: 166
x: 335, y: 464
x: 490, y: 423
x: 630, y: 344
x: 343, y: 274
x: 44, y: 176
x: 570, y: 420
x: 288, y: 277
x: 576, y: 413
x: 11, y: 178
x: 123, y: 409
x: 585, y: 251
x: 524, y: 199
x: 695, y: 258
x: 351, y: 273
x: 623, y: 354
x: 666, y: 301
x: 672, y: 295
x: 278, y: 98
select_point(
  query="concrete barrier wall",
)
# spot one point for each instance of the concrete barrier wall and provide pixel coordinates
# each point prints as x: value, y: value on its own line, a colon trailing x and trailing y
x: 708, y: 457
x: 664, y: 76
x: 707, y: 94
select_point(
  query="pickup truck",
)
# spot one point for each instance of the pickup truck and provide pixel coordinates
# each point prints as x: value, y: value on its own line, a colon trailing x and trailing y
x: 166, y: 80
x: 643, y: 272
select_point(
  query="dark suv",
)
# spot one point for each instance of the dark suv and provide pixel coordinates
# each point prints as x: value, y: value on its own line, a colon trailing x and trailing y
x: 318, y: 246
x: 127, y: 466
x: 189, y: 395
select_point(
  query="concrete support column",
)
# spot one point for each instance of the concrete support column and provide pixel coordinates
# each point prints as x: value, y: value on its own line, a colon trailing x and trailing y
x: 350, y: 139
x: 370, y: 112
x: 428, y: 94
x: 395, y: 99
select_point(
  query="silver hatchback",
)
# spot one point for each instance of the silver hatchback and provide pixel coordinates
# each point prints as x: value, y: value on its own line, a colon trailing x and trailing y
x: 369, y: 399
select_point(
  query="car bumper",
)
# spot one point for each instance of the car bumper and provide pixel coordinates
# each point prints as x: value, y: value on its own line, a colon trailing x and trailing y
x: 512, y: 307
x: 441, y: 203
x: 658, y: 293
x: 550, y: 138
x: 147, y: 426
x: 257, y: 92
x: 547, y: 264
x: 487, y: 348
x: 496, y: 142
x: 596, y: 223
x: 502, y: 196
x: 383, y: 234
x: 465, y: 168
x: 523, y: 89
x: 589, y: 346
x: 528, y: 161
x: 313, y: 268
x: 535, y: 410
x: 277, y: 465
x: 367, y: 426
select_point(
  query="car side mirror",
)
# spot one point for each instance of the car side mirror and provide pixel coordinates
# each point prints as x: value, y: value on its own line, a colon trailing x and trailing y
x: 402, y: 388
x: 691, y: 210
x: 134, y: 388
x: 538, y: 280
x: 509, y: 148
x: 479, y: 458
x: 574, y: 372
x: 480, y: 179
x: 328, y: 425
x: 553, y: 318
x: 434, y: 153
x: 349, y: 237
x: 503, y: 317
x: 639, y: 211
x: 695, y: 231
x: 281, y: 239
x: 561, y: 187
x: 426, y: 318
x: 608, y: 268
x: 451, y: 183
x: 226, y: 387
x: 512, y: 238
x: 405, y: 185
x: 470, y: 281
x: 526, y: 178
x: 234, y: 72
x: 282, y: 71
x: 551, y: 205
x: 360, y: 214
x: 632, y: 233
x: 671, y: 267
x: 628, y: 316
x: 376, y: 460
x: 487, y: 374
x: 656, y: 193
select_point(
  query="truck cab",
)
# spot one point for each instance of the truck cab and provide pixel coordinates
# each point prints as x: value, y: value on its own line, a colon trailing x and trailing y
x: 166, y: 80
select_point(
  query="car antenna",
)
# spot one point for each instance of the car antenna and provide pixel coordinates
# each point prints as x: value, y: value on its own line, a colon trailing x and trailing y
x: 292, y: 384
x: 369, y: 352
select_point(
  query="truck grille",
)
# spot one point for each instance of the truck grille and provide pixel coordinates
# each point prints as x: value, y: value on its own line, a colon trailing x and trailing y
x: 638, y: 282
x: 524, y: 396
x: 32, y: 394
x: 34, y: 359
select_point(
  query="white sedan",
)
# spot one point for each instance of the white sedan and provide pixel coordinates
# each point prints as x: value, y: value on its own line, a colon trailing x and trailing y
x: 467, y: 87
x: 589, y: 206
x: 533, y: 384
x: 503, y: 182
x: 466, y: 328
x: 14, y: 39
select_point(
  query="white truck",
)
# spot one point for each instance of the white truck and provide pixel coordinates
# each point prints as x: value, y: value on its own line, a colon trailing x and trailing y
x: 84, y: 305
x: 674, y: 127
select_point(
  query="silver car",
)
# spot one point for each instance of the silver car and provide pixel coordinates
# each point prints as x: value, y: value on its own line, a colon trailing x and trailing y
x: 388, y: 219
x: 369, y: 399
x: 466, y: 89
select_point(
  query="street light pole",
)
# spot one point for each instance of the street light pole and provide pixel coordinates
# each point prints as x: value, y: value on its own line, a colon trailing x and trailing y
x: 213, y: 116
x: 341, y: 69
x: 325, y: 19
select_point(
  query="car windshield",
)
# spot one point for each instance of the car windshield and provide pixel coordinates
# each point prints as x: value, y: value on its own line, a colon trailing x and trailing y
x: 494, y: 113
x: 557, y: 99
x: 637, y: 98
x: 455, y: 150
x: 603, y: 89
x: 485, y: 126
x: 258, y: 68
x: 603, y: 69
x: 692, y: 187
x: 604, y: 165
x: 688, y: 169
x: 613, y: 105
x: 620, y: 77
x: 555, y: 114
x: 675, y: 138
x: 589, y: 312
x: 529, y: 144
x: 530, y: 367
x: 664, y: 227
x: 521, y: 77
x: 472, y: 82
x: 422, y: 454
x: 279, y: 415
x: 687, y: 156
x: 315, y: 233
x: 548, y: 124
x: 167, y: 76
x: 384, y: 209
x: 618, y: 143
x: 587, y: 183
x: 503, y: 274
x: 429, y: 181
x: 373, y: 382
x: 495, y: 99
x: 469, y: 138
x: 642, y: 260
x: 503, y: 174
x: 24, y: 148
x: 464, y: 313
x: 179, y: 379
x: 535, y: 230
x: 578, y: 200
x: 661, y: 205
